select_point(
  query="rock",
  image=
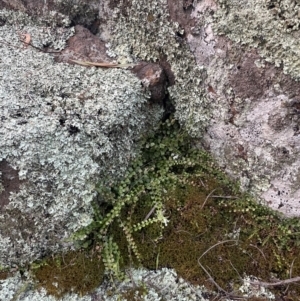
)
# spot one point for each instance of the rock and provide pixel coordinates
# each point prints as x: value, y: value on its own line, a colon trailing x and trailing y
x: 83, y: 46
x: 253, y: 83
x: 56, y: 12
x: 238, y: 92
x: 63, y: 129
x: 153, y: 78
x: 231, y: 68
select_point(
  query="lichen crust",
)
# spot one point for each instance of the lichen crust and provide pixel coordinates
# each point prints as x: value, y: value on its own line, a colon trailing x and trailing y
x: 63, y: 127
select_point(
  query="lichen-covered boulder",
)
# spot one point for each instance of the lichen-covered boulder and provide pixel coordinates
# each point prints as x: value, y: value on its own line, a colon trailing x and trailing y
x: 63, y: 128
x: 250, y: 50
x: 236, y: 69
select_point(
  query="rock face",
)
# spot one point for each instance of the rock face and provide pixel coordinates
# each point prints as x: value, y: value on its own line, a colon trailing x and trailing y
x: 63, y: 128
x: 252, y: 82
x: 241, y: 96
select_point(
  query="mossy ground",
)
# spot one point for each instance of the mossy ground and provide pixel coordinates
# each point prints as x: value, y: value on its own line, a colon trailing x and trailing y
x: 211, y: 225
x: 76, y: 271
x: 262, y: 243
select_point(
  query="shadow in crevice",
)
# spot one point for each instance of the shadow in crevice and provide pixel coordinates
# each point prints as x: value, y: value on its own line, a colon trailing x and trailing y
x: 10, y: 182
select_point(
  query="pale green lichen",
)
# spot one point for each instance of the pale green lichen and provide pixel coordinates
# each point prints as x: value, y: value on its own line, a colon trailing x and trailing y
x: 270, y: 26
x: 18, y: 288
x: 63, y: 128
x: 157, y: 38
x: 51, y: 30
x: 83, y: 12
x: 141, y: 285
x: 157, y: 285
x: 261, y: 124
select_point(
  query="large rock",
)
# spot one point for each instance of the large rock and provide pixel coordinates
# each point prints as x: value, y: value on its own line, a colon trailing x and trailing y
x: 63, y: 129
x: 253, y: 83
x: 238, y: 92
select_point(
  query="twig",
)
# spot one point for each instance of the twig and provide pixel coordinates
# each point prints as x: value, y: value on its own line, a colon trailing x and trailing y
x: 227, y: 294
x: 24, y: 42
x: 235, y: 270
x: 202, y: 183
x: 150, y: 212
x: 291, y: 271
x: 224, y: 196
x: 233, y: 296
x: 184, y: 231
x: 208, y: 197
x: 219, y: 243
x: 103, y: 65
x: 281, y: 282
x: 10, y: 44
x: 212, y: 280
x: 258, y: 250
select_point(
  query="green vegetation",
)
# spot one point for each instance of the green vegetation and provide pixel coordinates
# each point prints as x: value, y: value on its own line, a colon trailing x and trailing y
x: 76, y: 271
x: 175, y: 208
x: 4, y: 273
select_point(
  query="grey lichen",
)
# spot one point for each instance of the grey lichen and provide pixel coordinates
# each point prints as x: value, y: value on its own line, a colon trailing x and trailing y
x: 19, y: 288
x: 83, y: 12
x: 156, y: 285
x: 140, y: 284
x: 253, y: 131
x: 63, y: 128
x: 41, y: 33
x: 158, y: 38
x: 162, y: 284
x: 208, y: 94
x: 270, y: 26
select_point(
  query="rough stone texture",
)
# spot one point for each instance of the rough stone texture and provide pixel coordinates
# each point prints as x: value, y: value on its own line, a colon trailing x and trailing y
x: 254, y: 130
x: 53, y: 12
x: 238, y: 92
x: 160, y: 40
x: 83, y: 46
x: 241, y: 98
x: 62, y: 129
x: 153, y: 78
x: 10, y: 182
x: 271, y: 26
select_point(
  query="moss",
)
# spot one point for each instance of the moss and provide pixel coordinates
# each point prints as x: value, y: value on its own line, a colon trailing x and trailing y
x: 4, y: 274
x: 204, y: 211
x: 75, y: 271
x: 211, y: 224
x: 263, y: 246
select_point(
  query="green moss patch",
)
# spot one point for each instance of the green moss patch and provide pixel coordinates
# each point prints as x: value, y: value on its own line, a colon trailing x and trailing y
x: 229, y: 237
x: 75, y: 271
